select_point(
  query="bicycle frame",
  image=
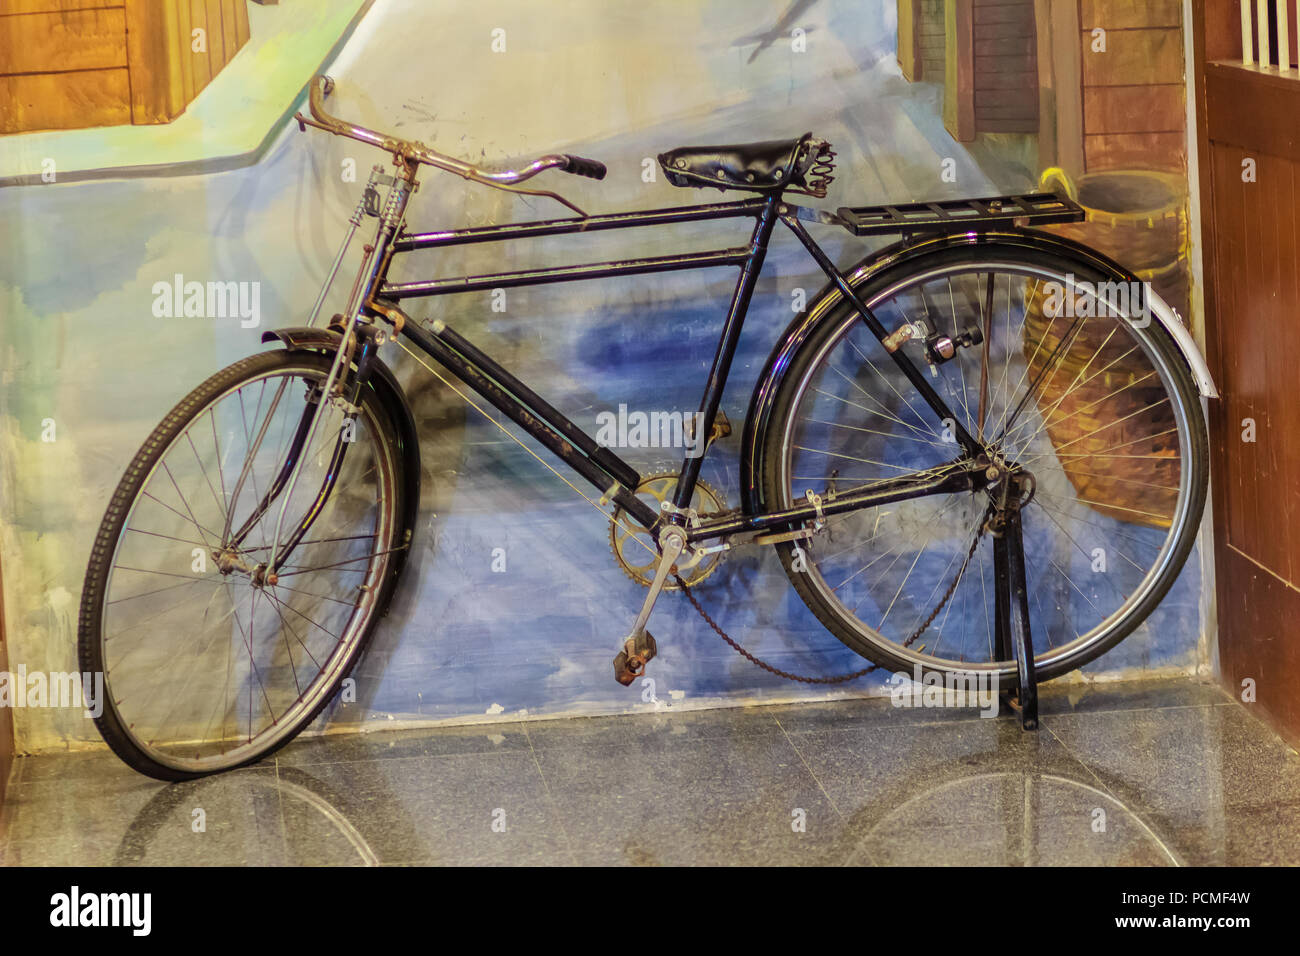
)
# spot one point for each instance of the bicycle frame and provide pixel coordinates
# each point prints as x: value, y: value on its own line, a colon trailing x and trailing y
x: 600, y: 466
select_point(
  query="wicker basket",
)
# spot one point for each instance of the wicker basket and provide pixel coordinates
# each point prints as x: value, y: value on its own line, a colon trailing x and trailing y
x: 1138, y: 218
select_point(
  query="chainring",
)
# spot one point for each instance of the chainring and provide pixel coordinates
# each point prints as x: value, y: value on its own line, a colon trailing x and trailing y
x: 634, y: 547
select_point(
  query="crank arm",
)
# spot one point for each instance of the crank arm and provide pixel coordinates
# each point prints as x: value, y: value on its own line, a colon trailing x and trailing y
x: 639, y: 647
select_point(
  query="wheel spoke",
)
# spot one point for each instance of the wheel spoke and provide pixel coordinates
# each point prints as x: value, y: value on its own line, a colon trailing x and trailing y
x: 1076, y: 410
x: 206, y: 678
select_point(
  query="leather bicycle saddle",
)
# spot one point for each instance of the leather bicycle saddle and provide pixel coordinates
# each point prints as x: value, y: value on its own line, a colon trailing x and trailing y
x: 759, y: 167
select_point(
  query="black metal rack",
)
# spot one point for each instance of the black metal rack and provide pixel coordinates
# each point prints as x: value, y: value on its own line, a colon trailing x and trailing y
x: 1029, y: 209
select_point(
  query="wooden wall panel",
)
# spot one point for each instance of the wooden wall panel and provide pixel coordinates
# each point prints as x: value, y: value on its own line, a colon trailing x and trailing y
x: 930, y: 41
x: 8, y: 7
x: 1257, y: 638
x: 200, y: 63
x: 157, y: 95
x: 77, y: 40
x: 1134, y: 92
x: 1261, y: 231
x: 240, y: 12
x: 1133, y: 57
x: 64, y: 101
x: 54, y: 52
x: 1130, y: 14
x: 1253, y: 109
x: 216, y: 36
x: 1005, y: 66
x: 185, y: 41
x: 1162, y: 151
x: 1060, y: 99
x: 229, y: 35
x: 1134, y: 109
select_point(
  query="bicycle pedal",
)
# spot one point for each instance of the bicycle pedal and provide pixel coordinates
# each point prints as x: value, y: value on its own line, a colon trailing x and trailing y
x: 632, y: 659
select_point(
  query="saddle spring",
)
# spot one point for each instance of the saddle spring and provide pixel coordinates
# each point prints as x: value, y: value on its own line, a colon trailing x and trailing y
x: 820, y: 175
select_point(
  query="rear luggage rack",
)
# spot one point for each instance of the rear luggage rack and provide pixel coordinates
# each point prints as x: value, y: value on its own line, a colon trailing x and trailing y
x: 956, y: 215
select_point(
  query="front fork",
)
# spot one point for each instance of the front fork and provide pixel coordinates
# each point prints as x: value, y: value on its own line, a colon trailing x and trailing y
x: 358, y: 343
x: 358, y: 352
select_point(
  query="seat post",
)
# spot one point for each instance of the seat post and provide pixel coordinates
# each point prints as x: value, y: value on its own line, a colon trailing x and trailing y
x: 727, y: 341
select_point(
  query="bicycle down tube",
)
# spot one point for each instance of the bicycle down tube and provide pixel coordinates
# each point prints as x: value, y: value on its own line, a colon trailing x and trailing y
x: 600, y: 466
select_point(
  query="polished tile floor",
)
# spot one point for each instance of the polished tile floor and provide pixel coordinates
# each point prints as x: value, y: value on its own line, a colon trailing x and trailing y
x: 1153, y: 773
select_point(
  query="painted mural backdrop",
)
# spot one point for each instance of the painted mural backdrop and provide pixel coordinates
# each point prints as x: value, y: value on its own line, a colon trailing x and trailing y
x: 512, y: 605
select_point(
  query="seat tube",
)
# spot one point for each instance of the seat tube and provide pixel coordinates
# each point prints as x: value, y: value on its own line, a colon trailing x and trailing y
x: 727, y: 342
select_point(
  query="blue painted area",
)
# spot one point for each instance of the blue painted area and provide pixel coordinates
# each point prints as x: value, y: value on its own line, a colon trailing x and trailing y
x: 82, y: 345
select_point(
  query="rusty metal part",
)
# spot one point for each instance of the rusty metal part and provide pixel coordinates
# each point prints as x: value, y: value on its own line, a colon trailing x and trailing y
x: 721, y: 428
x: 633, y: 546
x: 631, y: 660
x: 390, y: 312
x: 901, y: 335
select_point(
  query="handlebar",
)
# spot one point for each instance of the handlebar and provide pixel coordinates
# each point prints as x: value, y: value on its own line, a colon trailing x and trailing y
x: 415, y: 151
x: 585, y: 167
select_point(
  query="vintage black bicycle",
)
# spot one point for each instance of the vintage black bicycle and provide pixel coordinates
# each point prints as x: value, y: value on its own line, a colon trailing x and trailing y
x: 979, y: 451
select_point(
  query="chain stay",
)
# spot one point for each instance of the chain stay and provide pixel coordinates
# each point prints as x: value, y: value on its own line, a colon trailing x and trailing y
x: 841, y: 678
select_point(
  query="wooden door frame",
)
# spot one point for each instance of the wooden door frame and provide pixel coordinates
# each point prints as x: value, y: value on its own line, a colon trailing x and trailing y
x: 1060, y: 85
x: 909, y: 39
x: 1229, y: 112
x: 959, y: 69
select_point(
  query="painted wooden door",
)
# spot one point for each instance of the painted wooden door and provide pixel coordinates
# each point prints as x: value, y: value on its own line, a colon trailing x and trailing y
x: 1249, y: 155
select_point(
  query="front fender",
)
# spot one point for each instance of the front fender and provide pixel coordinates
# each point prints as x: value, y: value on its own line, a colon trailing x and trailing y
x: 899, y: 255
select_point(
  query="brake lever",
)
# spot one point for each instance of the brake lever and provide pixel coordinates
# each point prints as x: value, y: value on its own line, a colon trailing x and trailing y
x: 530, y: 192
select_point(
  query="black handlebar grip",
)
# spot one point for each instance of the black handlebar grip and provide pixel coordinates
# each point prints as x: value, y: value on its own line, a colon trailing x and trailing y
x: 585, y: 167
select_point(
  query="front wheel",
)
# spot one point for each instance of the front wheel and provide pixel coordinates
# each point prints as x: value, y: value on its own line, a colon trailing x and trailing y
x: 213, y: 657
x: 1065, y: 381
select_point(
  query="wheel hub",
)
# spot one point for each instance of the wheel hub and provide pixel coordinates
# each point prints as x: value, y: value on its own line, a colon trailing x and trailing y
x: 229, y: 562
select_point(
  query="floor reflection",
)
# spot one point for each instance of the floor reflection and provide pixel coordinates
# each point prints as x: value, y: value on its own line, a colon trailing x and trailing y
x: 1146, y: 774
x: 246, y: 806
x: 1037, y: 819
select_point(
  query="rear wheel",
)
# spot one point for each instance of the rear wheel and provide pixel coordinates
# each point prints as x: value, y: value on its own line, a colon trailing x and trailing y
x: 1071, y: 385
x: 210, y: 661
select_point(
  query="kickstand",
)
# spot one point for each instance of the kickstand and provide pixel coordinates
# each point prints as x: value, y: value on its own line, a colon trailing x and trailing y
x: 1013, y: 630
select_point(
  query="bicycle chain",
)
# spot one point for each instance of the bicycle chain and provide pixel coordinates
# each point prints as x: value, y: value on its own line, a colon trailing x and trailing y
x: 842, y: 678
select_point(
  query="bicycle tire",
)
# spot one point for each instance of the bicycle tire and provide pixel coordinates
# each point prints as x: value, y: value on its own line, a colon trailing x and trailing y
x: 112, y: 725
x: 974, y: 256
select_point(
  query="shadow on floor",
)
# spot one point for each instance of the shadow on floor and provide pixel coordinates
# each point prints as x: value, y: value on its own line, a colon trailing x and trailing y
x: 1153, y: 773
